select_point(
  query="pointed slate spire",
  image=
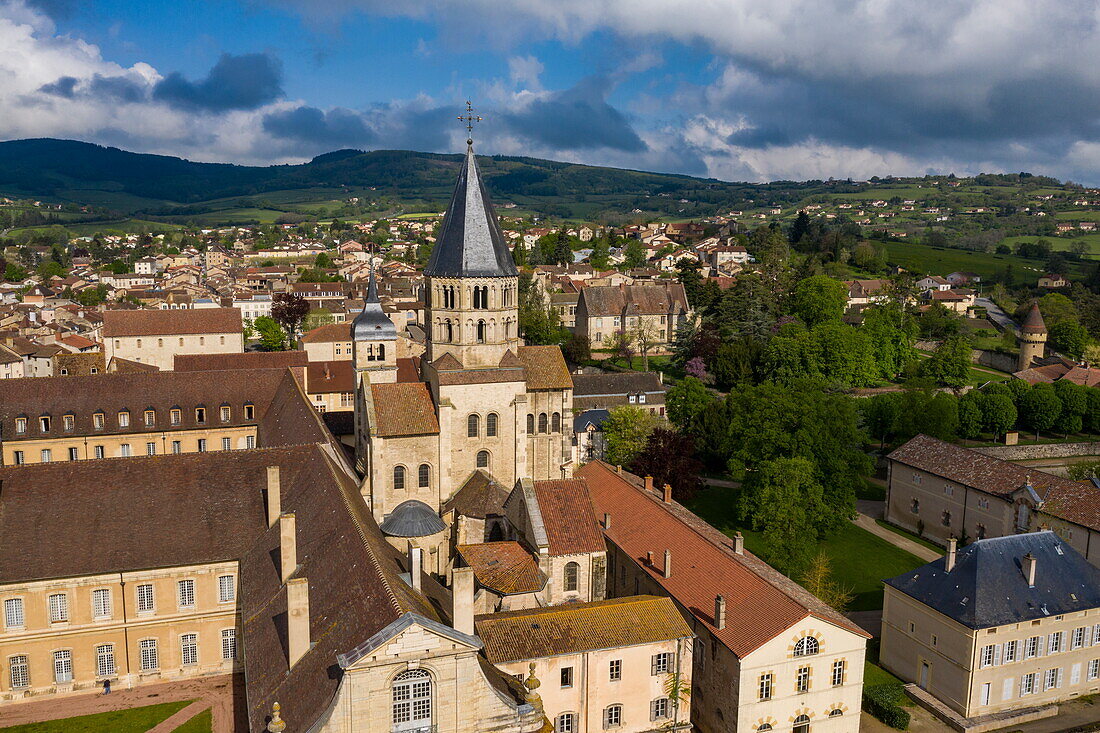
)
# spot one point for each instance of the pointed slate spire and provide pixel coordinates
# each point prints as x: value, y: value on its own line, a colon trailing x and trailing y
x: 372, y: 324
x: 470, y: 243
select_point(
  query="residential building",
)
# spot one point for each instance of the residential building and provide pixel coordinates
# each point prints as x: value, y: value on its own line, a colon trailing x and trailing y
x: 605, y: 390
x: 657, y: 309
x: 156, y: 336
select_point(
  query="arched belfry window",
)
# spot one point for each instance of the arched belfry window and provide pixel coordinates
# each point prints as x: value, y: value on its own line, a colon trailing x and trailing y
x: 491, y: 425
x: 412, y: 701
x: 555, y: 423
x: 483, y: 459
x: 481, y: 332
x: 398, y: 477
x: 473, y: 426
x: 542, y: 422
x: 424, y: 476
x: 572, y: 572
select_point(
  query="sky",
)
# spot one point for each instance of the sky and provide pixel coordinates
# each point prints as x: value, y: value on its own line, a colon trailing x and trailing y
x: 732, y: 89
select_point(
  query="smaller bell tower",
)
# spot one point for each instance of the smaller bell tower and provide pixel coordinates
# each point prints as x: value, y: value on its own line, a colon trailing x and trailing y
x: 374, y: 341
x: 1032, y: 338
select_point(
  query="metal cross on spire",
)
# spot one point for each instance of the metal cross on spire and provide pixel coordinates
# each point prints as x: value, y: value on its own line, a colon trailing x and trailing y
x: 470, y: 119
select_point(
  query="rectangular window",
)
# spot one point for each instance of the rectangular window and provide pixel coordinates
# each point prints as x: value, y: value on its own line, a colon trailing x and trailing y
x: 186, y: 595
x: 987, y: 655
x: 660, y: 663
x: 1012, y: 648
x: 613, y: 716
x: 227, y: 444
x: 202, y: 445
x: 1054, y: 643
x: 566, y: 676
x: 145, y: 598
x: 229, y: 643
x: 764, y: 691
x: 104, y: 660
x: 63, y: 665
x: 227, y: 588
x: 59, y: 608
x: 226, y: 414
x: 200, y: 415
x: 46, y: 454
x: 1094, y: 669
x: 20, y: 672
x: 189, y: 649
x: 1027, y: 684
x: 1051, y: 679
x: 13, y: 613
x: 97, y: 420
x: 150, y: 449
x: 249, y: 412
x: 44, y: 423
x: 802, y: 680
x: 150, y: 418
x: 149, y: 657
x: 124, y: 419
x: 658, y: 709
x: 838, y: 673
x: 18, y: 457
x: 99, y: 452
x: 1078, y: 638
x: 176, y: 417
x: 986, y: 688
x: 20, y: 425
x: 69, y: 422
x: 616, y: 670
x: 74, y: 454
x: 177, y: 447
x: 250, y: 441
x: 1031, y: 647
x: 124, y: 450
x: 101, y: 603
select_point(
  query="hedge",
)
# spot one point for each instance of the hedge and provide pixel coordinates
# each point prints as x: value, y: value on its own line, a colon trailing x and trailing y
x: 883, y: 702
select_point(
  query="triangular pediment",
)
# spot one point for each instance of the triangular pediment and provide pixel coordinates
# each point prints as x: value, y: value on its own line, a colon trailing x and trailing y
x: 411, y: 631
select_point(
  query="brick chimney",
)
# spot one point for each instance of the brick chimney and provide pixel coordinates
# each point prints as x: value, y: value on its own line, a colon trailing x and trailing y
x: 288, y: 546
x: 949, y: 558
x: 274, y: 496
x: 739, y: 543
x: 462, y: 595
x: 668, y: 564
x: 414, y: 567
x: 1029, y: 564
x: 666, y: 494
x: 606, y: 521
x: 649, y: 483
x: 297, y: 611
x: 719, y: 612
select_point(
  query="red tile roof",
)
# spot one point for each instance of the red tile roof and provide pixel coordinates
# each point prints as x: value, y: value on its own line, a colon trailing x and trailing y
x: 247, y: 360
x: 504, y: 567
x: 119, y: 323
x: 566, y: 509
x: 330, y: 376
x: 544, y: 367
x: 329, y: 333
x: 763, y: 602
x: 404, y: 408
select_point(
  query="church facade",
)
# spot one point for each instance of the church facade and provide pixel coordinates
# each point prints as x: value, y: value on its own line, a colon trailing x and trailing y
x: 478, y: 400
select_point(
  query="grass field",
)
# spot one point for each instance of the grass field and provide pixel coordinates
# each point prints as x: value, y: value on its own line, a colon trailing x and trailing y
x: 134, y: 720
x: 201, y: 723
x: 860, y: 560
x: 1061, y: 244
x: 924, y: 259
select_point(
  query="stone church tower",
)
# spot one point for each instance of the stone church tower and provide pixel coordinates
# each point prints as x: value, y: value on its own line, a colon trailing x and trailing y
x: 1032, y: 338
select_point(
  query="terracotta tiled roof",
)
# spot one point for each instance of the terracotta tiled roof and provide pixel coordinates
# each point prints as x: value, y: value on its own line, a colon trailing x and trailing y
x: 504, y: 567
x: 404, y: 408
x: 171, y: 322
x: 579, y: 627
x: 1034, y: 322
x: 567, y: 515
x: 330, y: 376
x: 408, y: 370
x: 119, y: 365
x: 481, y: 496
x: 644, y: 299
x: 247, y: 360
x: 545, y: 367
x: 761, y: 602
x: 447, y: 362
x: 329, y: 333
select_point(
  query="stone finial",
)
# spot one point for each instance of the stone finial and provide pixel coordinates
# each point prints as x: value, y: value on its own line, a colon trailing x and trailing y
x: 532, y: 684
x: 277, y: 724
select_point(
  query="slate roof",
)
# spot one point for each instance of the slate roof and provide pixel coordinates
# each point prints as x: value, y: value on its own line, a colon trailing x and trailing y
x: 469, y: 242
x: 657, y: 298
x: 119, y: 323
x: 611, y: 389
x: 247, y: 360
x: 412, y: 518
x: 595, y: 417
x: 579, y: 627
x: 566, y: 509
x: 372, y: 323
x: 760, y: 601
x: 503, y: 567
x: 544, y: 367
x: 481, y: 496
x: 404, y: 408
x: 988, y: 587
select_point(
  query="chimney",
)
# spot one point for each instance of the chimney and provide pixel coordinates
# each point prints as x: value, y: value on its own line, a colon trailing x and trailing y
x: 649, y: 558
x: 415, y: 561
x: 288, y: 546
x: 649, y: 483
x: 606, y: 521
x: 719, y: 612
x: 739, y: 543
x: 1029, y: 569
x: 949, y: 558
x: 462, y: 594
x: 666, y: 494
x: 274, y: 496
x: 668, y: 564
x: 619, y: 470
x: 297, y: 611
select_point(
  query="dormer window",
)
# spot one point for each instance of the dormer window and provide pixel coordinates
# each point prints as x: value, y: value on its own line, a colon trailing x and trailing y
x: 227, y: 413
x: 150, y: 418
x: 20, y: 425
x: 200, y: 415
x: 98, y: 419
x: 44, y: 423
x: 249, y: 412
x: 124, y: 419
x: 69, y: 422
x: 176, y: 416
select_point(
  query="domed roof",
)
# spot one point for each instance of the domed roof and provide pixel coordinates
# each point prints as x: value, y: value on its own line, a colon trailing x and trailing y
x: 412, y: 518
x: 1034, y: 322
x: 372, y: 324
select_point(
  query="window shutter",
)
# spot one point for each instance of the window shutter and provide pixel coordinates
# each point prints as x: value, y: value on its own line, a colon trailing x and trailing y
x: 1058, y: 681
x: 1075, y: 674
x: 652, y: 709
x: 997, y: 654
x: 1006, y: 693
x: 653, y: 665
x: 1040, y: 647
x: 606, y: 718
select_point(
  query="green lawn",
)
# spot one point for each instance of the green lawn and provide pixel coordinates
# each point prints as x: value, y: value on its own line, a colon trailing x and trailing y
x: 133, y: 720
x: 201, y: 723
x: 860, y: 560
x: 1061, y: 244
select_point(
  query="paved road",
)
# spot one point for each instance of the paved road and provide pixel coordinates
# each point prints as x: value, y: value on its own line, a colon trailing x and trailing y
x: 997, y: 315
x: 913, y: 548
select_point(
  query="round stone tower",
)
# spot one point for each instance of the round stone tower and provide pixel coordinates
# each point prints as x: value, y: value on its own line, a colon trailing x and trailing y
x: 1032, y: 338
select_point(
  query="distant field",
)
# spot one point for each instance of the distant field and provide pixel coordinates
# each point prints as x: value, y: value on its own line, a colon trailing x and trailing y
x: 1061, y: 244
x: 923, y: 259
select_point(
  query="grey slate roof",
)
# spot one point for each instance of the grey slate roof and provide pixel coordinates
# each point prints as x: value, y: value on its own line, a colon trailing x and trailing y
x: 372, y: 324
x: 988, y: 587
x: 412, y: 518
x: 469, y: 243
x: 596, y: 417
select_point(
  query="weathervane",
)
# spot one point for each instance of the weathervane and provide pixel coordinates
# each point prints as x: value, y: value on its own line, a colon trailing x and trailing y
x: 469, y: 118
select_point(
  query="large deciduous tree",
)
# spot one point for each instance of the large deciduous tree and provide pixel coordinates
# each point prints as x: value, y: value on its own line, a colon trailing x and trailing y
x: 289, y: 310
x: 627, y: 429
x: 819, y: 298
x: 781, y: 499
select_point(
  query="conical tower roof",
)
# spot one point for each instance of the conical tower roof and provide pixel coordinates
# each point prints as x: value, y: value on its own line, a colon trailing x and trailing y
x: 372, y: 324
x: 470, y: 243
x: 1034, y: 322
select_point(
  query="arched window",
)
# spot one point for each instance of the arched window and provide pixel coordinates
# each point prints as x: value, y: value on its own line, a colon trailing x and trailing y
x: 424, y: 475
x: 381, y: 352
x: 481, y: 332
x: 473, y: 426
x: 491, y: 425
x: 802, y: 724
x: 398, y: 477
x: 412, y: 700
x: 530, y: 423
x: 542, y: 422
x: 612, y: 716
x: 806, y: 646
x: 448, y: 330
x: 763, y: 727
x: 483, y: 459
x: 836, y: 713
x: 555, y: 423
x: 566, y: 723
x: 572, y: 571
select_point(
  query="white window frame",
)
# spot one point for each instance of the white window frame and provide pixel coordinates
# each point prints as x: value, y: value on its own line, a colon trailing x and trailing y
x: 661, y: 663
x: 189, y: 649
x: 146, y: 598
x: 14, y: 617
x: 839, y: 668
x: 765, y: 688
x: 58, y: 604
x: 19, y: 671
x: 229, y: 643
x: 802, y: 680
x: 101, y: 603
x: 987, y: 656
x: 1012, y: 651
x: 1094, y: 669
x: 613, y: 716
x: 227, y: 444
x: 1078, y: 637
x: 150, y: 655
x: 105, y: 660
x: 185, y: 593
x: 63, y: 665
x: 615, y: 670
x: 227, y: 588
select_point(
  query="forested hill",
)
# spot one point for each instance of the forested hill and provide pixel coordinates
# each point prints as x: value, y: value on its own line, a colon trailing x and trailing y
x: 68, y: 170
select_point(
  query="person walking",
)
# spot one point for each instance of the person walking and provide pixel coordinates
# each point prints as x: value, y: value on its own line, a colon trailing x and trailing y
x: 106, y: 687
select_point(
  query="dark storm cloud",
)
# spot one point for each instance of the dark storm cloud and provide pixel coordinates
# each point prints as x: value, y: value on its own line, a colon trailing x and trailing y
x: 248, y: 81
x: 63, y: 87
x: 333, y: 129
x: 576, y: 119
x: 119, y: 89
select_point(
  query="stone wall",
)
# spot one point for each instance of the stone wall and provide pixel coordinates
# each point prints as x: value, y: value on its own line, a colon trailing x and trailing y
x: 1031, y: 452
x: 996, y: 360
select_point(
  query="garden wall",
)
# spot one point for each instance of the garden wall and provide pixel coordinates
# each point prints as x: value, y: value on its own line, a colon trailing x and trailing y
x: 1049, y: 450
